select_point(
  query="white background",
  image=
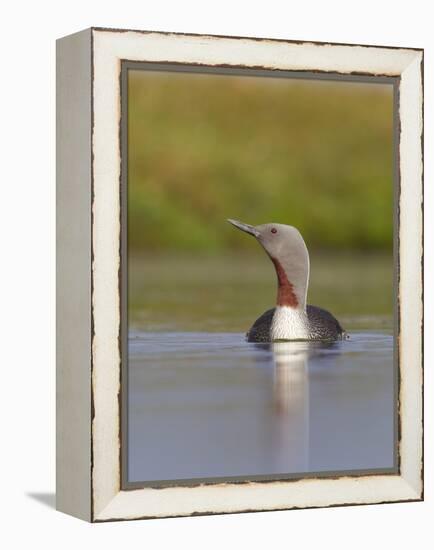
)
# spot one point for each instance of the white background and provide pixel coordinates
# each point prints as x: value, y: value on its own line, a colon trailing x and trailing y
x: 27, y: 401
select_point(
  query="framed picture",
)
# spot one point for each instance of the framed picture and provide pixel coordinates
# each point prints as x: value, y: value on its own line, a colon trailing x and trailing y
x: 184, y: 385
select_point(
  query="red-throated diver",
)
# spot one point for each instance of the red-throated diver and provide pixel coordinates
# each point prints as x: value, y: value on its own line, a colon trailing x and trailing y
x: 292, y: 318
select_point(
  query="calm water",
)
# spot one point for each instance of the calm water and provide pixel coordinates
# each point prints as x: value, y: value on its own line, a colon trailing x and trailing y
x: 204, y: 403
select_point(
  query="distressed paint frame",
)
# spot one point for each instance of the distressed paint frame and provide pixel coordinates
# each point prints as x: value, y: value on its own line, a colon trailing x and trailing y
x: 106, y: 49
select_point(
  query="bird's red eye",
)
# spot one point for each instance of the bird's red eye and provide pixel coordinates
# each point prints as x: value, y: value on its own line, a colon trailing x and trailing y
x: 274, y: 230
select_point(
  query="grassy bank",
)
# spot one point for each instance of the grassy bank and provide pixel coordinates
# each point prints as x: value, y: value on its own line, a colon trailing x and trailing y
x: 317, y: 155
x: 227, y: 292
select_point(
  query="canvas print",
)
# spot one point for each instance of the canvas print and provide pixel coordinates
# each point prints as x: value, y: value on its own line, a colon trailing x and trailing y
x: 259, y: 276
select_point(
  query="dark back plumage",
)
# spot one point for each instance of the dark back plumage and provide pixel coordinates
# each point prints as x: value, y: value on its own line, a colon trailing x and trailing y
x: 322, y: 326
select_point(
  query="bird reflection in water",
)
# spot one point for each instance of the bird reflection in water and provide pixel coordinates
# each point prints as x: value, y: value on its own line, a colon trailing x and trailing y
x: 290, y: 398
x: 290, y: 376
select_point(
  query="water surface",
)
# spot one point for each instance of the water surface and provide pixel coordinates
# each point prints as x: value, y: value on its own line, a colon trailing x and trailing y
x: 207, y: 405
x: 203, y: 403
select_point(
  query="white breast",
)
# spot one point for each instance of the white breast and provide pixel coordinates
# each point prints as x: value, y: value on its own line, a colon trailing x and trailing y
x: 289, y: 324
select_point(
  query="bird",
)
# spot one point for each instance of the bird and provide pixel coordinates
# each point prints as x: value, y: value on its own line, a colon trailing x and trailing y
x: 292, y: 318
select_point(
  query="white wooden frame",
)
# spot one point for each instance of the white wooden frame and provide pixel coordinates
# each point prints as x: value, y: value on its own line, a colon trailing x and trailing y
x: 88, y: 206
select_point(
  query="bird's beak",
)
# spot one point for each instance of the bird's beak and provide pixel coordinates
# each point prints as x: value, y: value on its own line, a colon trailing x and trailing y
x: 245, y: 227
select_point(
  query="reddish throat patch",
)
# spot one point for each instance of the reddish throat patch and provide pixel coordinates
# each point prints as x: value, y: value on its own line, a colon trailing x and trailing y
x: 285, y: 291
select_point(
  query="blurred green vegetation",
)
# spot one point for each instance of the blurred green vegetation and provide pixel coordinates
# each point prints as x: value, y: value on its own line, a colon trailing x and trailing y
x: 201, y: 148
x: 228, y: 292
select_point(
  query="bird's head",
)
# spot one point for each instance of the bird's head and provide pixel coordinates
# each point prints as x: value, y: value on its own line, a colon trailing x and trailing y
x: 287, y: 250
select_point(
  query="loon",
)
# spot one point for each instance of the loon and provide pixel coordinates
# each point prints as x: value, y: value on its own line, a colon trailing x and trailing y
x: 292, y: 318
